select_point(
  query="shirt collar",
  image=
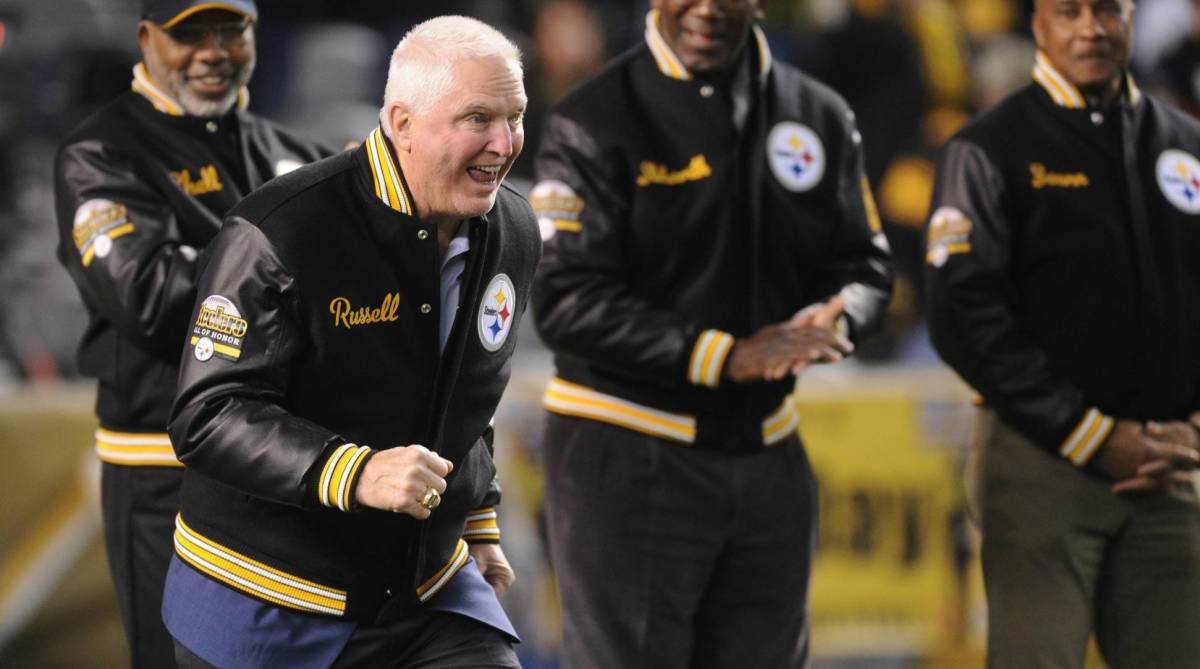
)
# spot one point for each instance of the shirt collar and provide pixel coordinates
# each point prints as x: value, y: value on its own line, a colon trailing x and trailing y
x: 143, y: 84
x: 1064, y: 93
x: 670, y: 65
x: 460, y: 244
x: 385, y: 173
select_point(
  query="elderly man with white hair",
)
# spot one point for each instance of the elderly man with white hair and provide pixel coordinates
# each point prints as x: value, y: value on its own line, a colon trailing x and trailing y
x: 350, y: 342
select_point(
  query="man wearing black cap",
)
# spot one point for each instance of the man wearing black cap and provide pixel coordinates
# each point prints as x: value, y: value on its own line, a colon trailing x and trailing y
x: 140, y: 188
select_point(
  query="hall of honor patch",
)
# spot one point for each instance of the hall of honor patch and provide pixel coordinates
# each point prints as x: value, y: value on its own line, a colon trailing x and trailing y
x: 1178, y: 175
x: 796, y: 156
x: 219, y: 330
x: 496, y: 312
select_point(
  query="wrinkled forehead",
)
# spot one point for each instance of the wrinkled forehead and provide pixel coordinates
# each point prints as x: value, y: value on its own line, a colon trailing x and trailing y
x: 488, y: 77
x: 1042, y: 6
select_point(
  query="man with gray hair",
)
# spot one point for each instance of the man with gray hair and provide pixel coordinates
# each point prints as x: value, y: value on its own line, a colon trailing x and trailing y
x: 351, y: 340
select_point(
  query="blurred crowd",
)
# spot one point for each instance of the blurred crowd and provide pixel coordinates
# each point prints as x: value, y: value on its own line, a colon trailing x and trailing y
x: 914, y: 71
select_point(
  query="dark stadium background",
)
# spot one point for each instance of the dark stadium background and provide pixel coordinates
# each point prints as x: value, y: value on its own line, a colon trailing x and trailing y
x: 896, y: 583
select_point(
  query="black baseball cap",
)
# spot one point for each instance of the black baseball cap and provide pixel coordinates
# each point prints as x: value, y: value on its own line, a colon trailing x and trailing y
x: 167, y: 13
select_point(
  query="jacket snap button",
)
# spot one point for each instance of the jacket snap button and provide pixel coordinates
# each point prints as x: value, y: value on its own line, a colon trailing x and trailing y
x: 706, y: 90
x: 425, y: 308
x: 422, y: 234
x: 211, y: 127
x: 1097, y: 118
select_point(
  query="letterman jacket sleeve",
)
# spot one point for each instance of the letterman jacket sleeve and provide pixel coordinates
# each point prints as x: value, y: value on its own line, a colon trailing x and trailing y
x: 973, y: 311
x: 117, y: 242
x: 581, y: 302
x: 227, y: 422
x: 860, y: 268
x: 482, y: 526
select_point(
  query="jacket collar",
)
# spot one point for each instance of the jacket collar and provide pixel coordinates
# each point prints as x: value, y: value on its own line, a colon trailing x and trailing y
x: 670, y: 65
x: 1064, y: 93
x: 383, y: 171
x: 143, y: 84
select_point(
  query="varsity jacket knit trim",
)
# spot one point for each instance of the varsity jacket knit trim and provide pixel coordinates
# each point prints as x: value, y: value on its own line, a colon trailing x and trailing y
x: 571, y: 399
x: 254, y: 578
x: 340, y: 475
x: 708, y: 358
x: 136, y: 449
x: 482, y: 527
x: 1085, y: 439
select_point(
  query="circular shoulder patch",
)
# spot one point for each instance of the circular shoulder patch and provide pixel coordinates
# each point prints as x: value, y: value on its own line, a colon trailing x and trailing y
x: 1178, y: 175
x: 97, y: 223
x: 557, y: 207
x: 496, y: 312
x: 796, y: 156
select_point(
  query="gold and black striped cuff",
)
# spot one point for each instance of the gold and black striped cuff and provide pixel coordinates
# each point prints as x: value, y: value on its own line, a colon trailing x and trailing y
x: 482, y: 527
x: 135, y: 449
x: 708, y: 358
x: 336, y: 487
x: 1086, y: 438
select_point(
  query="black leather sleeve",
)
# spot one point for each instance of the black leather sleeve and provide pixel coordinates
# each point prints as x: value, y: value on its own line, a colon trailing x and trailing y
x: 118, y: 240
x: 861, y: 266
x: 227, y: 422
x: 582, y: 304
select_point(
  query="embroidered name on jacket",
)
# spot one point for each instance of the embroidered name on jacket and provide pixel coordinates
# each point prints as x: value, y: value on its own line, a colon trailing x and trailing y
x: 208, y: 181
x: 656, y: 173
x: 1043, y: 178
x: 345, y: 315
x: 219, y: 330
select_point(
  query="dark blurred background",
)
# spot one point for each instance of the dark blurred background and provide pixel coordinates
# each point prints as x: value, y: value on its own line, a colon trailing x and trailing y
x: 913, y: 70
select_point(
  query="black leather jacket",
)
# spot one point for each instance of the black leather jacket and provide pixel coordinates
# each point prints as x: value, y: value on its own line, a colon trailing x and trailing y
x: 314, y: 342
x: 1061, y: 268
x: 674, y: 228
x: 138, y: 192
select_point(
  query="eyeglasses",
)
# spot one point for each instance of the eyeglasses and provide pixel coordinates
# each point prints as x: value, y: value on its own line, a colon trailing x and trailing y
x: 233, y: 32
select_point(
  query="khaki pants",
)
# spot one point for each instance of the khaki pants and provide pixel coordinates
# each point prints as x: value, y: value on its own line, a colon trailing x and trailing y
x: 1063, y: 556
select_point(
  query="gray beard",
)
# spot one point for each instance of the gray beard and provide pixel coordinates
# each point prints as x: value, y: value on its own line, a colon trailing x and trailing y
x: 194, y: 105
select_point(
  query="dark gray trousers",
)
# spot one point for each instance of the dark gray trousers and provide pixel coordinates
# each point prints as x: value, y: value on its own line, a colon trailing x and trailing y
x: 1063, y: 556
x: 671, y: 556
x: 139, y: 506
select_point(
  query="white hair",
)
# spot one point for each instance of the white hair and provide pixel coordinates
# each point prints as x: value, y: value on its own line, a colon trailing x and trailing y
x: 422, y: 65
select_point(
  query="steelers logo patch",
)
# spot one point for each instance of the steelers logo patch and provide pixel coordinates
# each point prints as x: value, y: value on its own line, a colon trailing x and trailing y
x: 496, y: 312
x: 796, y: 156
x: 949, y: 234
x: 219, y: 330
x: 1178, y: 175
x: 557, y: 207
x: 204, y: 349
x: 97, y: 223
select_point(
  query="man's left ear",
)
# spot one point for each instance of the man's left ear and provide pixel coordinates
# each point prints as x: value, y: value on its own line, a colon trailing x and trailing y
x: 400, y: 123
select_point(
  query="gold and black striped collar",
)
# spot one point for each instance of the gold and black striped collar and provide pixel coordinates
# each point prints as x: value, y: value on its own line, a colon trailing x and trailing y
x: 385, y: 173
x: 1064, y: 93
x: 670, y: 65
x: 143, y: 84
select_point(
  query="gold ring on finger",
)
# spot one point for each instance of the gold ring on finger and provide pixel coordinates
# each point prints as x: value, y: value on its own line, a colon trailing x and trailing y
x: 431, y: 499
